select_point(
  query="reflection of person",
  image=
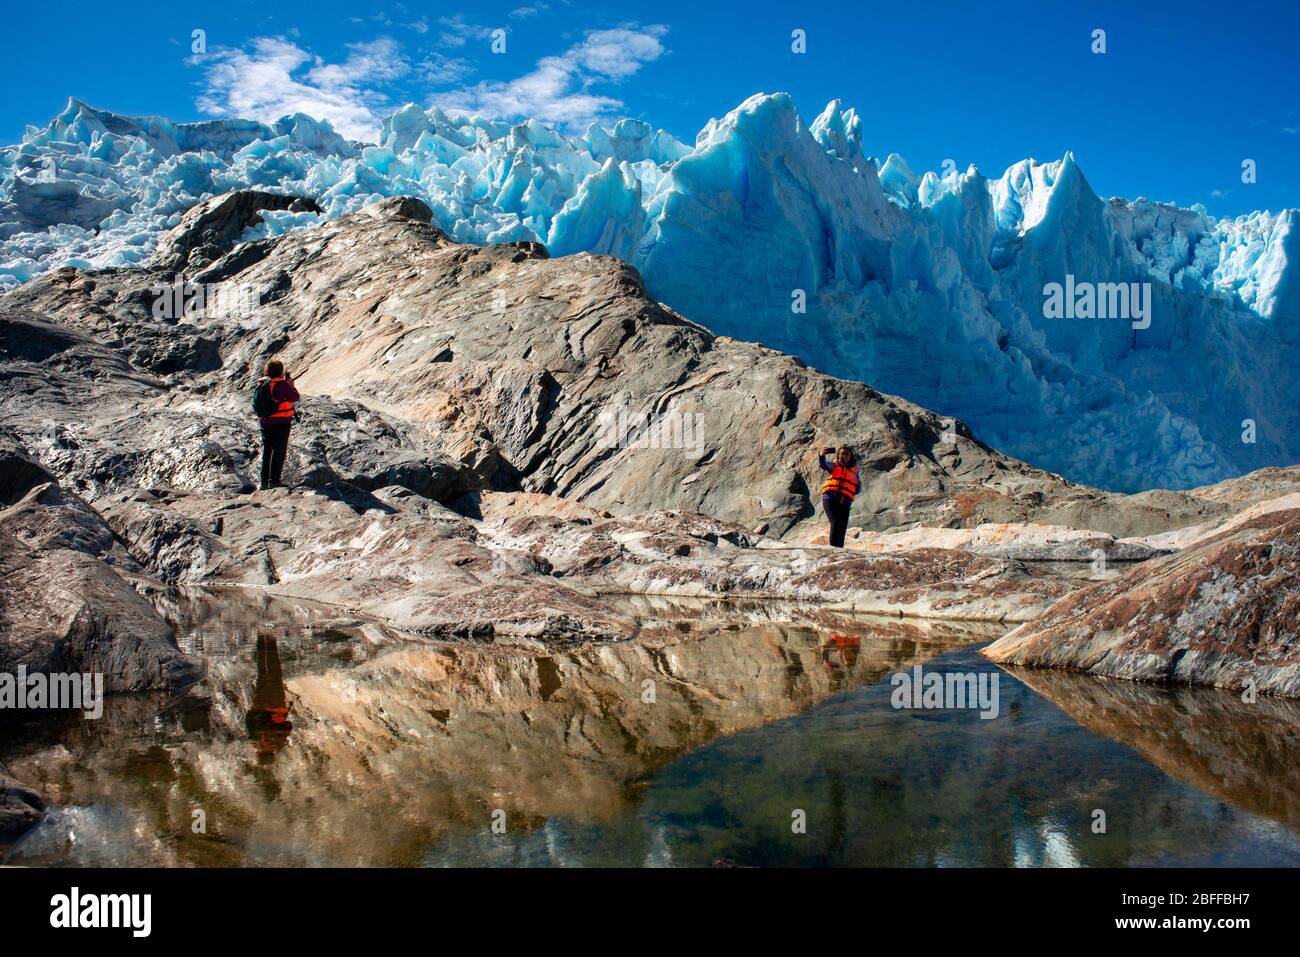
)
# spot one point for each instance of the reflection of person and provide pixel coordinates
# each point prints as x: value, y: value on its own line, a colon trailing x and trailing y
x: 839, y: 490
x: 268, y: 720
x: 841, y: 652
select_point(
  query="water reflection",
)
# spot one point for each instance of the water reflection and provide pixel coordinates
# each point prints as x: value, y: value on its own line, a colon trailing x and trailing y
x: 690, y: 745
x: 839, y: 655
x: 1246, y: 753
x: 881, y: 787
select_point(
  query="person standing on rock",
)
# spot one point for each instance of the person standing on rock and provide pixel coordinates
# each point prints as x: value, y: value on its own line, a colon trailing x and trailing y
x: 273, y: 404
x: 839, y: 490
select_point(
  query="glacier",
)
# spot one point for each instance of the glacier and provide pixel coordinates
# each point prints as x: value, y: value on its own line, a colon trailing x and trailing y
x: 929, y: 286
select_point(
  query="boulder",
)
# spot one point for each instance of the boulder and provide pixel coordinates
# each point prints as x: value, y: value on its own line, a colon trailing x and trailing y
x: 67, y: 603
x: 21, y: 809
x: 1225, y: 612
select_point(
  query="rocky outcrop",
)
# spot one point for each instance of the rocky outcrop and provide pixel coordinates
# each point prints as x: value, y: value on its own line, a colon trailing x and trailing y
x: 494, y: 444
x: 1254, y: 488
x: 550, y: 572
x: 211, y: 229
x: 67, y: 603
x: 21, y: 809
x: 1225, y: 612
x: 557, y: 376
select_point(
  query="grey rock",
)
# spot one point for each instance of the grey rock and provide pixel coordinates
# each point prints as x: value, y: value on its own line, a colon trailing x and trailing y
x: 67, y: 602
x: 19, y: 472
x: 211, y: 229
x: 493, y: 443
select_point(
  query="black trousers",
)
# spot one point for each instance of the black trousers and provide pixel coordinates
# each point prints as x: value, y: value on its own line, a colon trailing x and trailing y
x: 837, y: 509
x: 275, y: 445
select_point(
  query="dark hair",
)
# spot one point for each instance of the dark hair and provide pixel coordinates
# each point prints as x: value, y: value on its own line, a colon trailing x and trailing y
x: 853, y: 459
x: 274, y: 368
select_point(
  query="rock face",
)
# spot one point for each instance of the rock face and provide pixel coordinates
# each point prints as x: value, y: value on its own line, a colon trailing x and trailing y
x: 211, y: 229
x: 1225, y: 612
x: 19, y: 472
x: 495, y: 444
x: 527, y: 373
x: 67, y: 604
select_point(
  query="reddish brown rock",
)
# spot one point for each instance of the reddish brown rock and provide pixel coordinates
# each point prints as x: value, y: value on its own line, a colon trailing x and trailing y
x: 1225, y: 612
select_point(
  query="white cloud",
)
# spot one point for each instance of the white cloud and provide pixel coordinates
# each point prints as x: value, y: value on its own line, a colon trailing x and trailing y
x: 277, y: 78
x: 439, y: 70
x: 457, y: 31
x: 273, y: 77
x: 558, y: 88
x: 419, y: 26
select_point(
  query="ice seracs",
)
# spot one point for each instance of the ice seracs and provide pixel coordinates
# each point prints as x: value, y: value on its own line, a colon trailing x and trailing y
x: 926, y: 285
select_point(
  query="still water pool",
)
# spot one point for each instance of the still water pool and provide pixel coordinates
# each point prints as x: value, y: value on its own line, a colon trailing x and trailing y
x: 720, y: 736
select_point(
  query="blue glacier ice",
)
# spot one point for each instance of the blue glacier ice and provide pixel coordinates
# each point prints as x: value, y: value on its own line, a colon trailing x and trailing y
x: 930, y: 286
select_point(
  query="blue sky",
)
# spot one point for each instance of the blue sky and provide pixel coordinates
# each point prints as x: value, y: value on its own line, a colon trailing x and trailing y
x: 1183, y: 94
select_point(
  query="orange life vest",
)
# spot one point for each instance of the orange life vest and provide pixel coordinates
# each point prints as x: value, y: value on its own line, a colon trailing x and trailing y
x: 283, y: 410
x: 842, y: 480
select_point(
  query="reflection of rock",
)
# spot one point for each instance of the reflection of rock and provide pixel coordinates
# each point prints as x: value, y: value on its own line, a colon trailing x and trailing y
x: 21, y: 809
x: 387, y: 755
x: 1247, y: 754
x: 1225, y: 612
